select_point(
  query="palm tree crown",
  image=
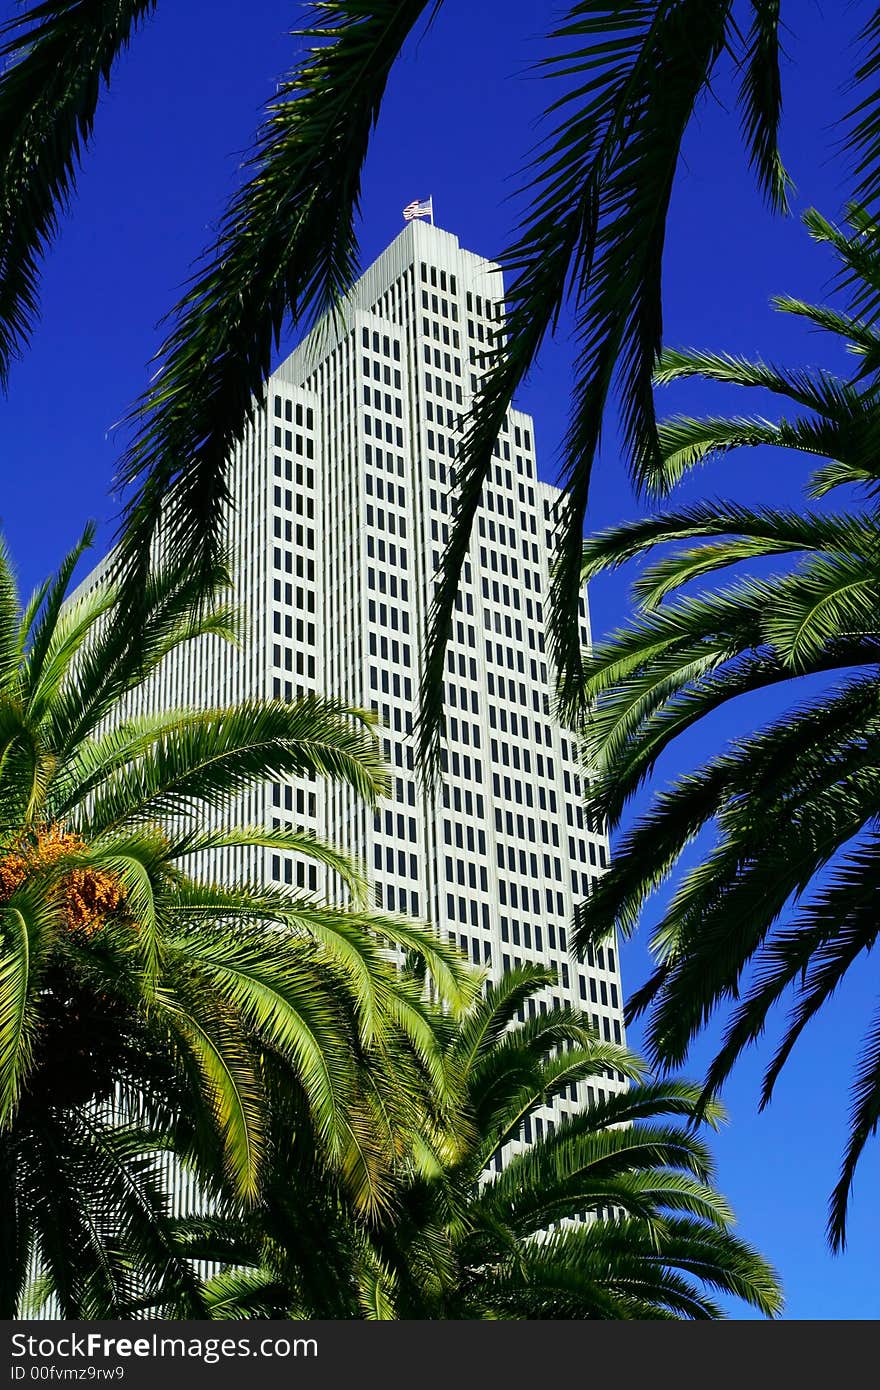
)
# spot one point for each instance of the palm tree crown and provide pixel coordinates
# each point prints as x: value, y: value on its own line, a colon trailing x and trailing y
x: 794, y: 806
x: 468, y: 1238
x: 145, y: 1008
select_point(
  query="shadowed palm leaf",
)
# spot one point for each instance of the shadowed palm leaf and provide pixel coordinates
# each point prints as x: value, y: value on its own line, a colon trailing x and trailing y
x: 785, y: 900
x: 55, y: 58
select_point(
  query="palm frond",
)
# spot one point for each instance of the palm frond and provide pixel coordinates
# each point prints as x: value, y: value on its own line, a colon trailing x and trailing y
x: 229, y: 1078
x: 10, y: 615
x: 286, y: 246
x: 211, y: 755
x: 599, y: 189
x: 27, y: 924
x: 761, y: 103
x: 55, y: 56
x: 176, y: 608
x: 39, y: 632
x: 303, y: 842
x: 864, y: 1119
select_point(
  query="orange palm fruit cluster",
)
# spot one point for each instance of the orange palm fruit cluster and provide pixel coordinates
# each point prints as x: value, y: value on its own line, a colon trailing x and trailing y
x: 89, y: 895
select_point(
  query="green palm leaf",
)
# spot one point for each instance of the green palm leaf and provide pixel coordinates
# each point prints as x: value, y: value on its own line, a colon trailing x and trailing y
x: 781, y: 900
x: 164, y: 1041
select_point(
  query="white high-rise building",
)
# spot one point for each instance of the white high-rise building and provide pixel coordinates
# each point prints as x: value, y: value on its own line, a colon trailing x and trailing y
x: 344, y: 495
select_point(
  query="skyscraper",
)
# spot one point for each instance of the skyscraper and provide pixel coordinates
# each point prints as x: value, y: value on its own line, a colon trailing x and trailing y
x: 344, y: 494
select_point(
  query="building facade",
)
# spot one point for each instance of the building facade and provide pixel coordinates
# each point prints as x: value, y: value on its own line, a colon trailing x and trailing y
x: 344, y: 495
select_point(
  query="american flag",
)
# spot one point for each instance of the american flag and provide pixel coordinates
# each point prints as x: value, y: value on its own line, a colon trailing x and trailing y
x: 418, y: 209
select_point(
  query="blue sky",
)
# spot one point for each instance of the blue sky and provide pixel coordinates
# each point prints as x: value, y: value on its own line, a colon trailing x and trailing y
x: 459, y: 117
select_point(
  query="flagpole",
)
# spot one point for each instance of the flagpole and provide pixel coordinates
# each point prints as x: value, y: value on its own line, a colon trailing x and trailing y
x: 431, y: 201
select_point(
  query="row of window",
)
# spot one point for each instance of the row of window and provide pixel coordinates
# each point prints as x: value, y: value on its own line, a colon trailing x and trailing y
x: 510, y: 928
x: 388, y: 616
x: 293, y: 444
x: 392, y: 716
x: 505, y: 626
x: 382, y: 520
x: 396, y: 555
x: 512, y: 692
x: 511, y: 755
x: 462, y: 799
x: 522, y: 793
x: 445, y: 308
x: 303, y: 476
x: 430, y: 275
x: 508, y: 721
x: 399, y: 653
x: 440, y: 333
x: 460, y: 909
x: 391, y: 683
x: 387, y: 583
x: 466, y: 874
x: 483, y: 334
x: 303, y: 663
x: 392, y: 434
x: 458, y: 696
x: 507, y: 535
x: 499, y: 561
x: 395, y: 861
x: 298, y: 416
x: 298, y: 799
x: 461, y: 731
x: 578, y: 850
x: 442, y: 415
x: 284, y: 593
x: 444, y: 390
x: 584, y: 817
x: 303, y: 566
x: 386, y: 492
x: 384, y: 460
x: 404, y: 827
x: 304, y: 506
x: 464, y: 942
x: 301, y: 629
x: 404, y: 791
x: 601, y: 991
x: 487, y: 307
x: 582, y: 885
x: 515, y: 661
x: 461, y: 765
x: 284, y: 529
x: 463, y: 665
x: 527, y: 863
x: 381, y: 344
x: 303, y: 875
x: 602, y: 958
x: 397, y: 899
x: 524, y: 828
x: 391, y: 405
x: 465, y: 836
x: 285, y: 690
x: 383, y: 373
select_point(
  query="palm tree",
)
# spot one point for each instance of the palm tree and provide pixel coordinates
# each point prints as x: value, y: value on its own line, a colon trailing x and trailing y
x: 624, y: 81
x: 794, y: 805
x: 468, y: 1239
x: 149, y: 1015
